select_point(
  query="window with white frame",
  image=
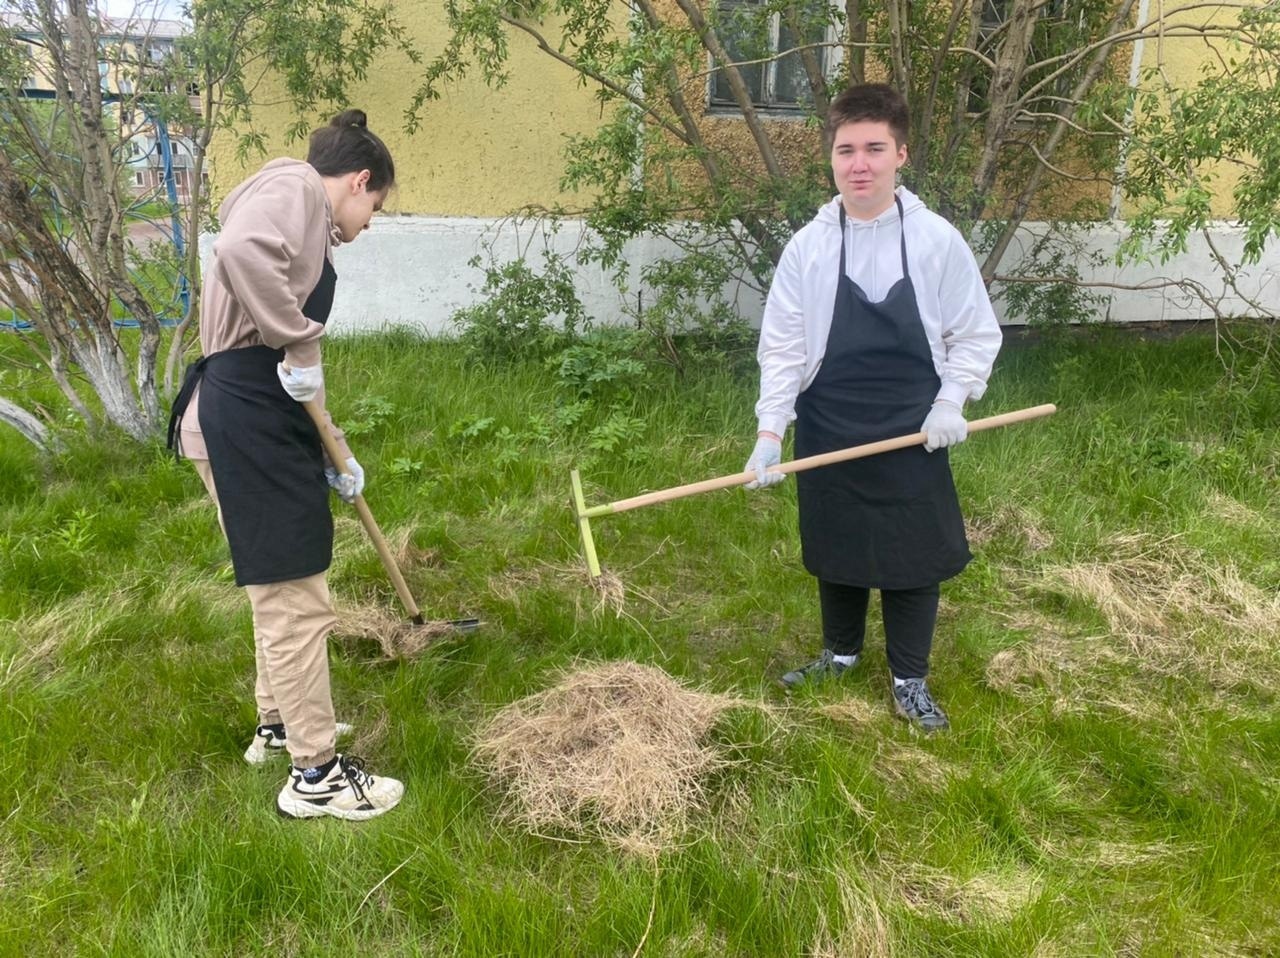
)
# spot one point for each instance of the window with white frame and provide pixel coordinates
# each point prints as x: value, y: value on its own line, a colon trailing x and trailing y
x: 753, y: 36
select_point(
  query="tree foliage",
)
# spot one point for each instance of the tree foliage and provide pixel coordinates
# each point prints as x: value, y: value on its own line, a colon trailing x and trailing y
x: 1230, y: 114
x: 67, y: 264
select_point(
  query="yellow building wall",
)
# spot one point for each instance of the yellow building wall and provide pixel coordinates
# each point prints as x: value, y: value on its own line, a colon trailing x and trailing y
x: 1183, y: 60
x: 484, y: 153
x: 479, y: 151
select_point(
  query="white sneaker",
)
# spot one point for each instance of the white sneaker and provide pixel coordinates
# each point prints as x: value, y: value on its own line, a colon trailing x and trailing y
x: 347, y: 792
x: 268, y: 742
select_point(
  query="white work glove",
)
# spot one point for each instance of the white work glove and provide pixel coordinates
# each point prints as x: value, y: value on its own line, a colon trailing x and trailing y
x: 768, y: 452
x: 300, y: 382
x: 347, y: 487
x: 944, y: 426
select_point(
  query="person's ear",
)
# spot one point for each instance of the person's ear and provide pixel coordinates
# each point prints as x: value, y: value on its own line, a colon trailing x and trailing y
x: 361, y: 181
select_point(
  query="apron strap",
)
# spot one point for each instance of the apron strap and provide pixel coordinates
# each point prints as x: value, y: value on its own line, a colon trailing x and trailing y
x: 902, y: 234
x: 840, y: 265
x: 190, y: 380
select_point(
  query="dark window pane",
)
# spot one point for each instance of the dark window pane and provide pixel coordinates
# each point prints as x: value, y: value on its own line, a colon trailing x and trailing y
x: 791, y: 82
x: 752, y: 76
x: 744, y: 31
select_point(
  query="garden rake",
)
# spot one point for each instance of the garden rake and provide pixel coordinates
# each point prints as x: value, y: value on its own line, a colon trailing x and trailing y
x: 585, y: 514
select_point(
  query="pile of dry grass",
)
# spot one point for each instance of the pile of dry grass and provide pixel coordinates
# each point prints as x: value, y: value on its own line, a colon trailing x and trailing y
x: 617, y: 751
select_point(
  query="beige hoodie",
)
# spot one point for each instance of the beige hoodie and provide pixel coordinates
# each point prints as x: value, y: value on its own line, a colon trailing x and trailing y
x: 277, y: 229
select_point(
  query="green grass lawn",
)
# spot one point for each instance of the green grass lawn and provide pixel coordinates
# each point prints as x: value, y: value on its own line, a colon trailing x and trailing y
x: 1109, y: 662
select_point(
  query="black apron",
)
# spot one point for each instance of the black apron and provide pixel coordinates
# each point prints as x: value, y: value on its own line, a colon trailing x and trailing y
x: 266, y: 457
x: 890, y: 521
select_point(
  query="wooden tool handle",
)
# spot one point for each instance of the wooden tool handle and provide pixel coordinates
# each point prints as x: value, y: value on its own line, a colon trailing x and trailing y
x: 811, y: 462
x: 334, y: 451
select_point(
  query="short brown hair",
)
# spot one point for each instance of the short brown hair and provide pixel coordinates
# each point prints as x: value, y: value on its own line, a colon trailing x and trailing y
x: 877, y: 102
x: 347, y: 146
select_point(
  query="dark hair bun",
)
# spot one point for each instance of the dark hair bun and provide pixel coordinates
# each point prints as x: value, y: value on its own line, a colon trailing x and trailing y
x: 350, y: 118
x: 347, y: 145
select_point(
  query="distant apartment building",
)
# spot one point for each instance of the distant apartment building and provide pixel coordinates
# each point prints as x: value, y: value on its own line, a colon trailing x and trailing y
x: 128, y: 49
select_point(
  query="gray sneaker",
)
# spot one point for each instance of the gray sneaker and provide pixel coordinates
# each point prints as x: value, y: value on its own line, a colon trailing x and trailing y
x: 913, y: 702
x: 823, y: 667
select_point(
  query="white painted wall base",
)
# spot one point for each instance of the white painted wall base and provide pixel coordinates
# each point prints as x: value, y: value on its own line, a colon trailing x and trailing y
x: 414, y: 271
x: 1162, y: 303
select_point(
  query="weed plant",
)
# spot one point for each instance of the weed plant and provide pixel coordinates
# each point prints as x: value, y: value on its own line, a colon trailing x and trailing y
x: 1109, y: 661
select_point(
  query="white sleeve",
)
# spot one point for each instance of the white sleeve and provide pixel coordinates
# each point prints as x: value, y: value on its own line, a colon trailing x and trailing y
x: 970, y: 332
x: 782, y: 345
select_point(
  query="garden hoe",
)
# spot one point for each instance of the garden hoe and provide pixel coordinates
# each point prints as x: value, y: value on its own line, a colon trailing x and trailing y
x: 375, y: 534
x: 585, y: 515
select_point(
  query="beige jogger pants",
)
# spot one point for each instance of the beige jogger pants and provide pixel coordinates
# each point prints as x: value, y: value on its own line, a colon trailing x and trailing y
x: 291, y: 625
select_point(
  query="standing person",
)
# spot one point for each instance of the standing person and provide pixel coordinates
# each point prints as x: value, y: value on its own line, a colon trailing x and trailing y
x: 877, y: 324
x: 239, y: 419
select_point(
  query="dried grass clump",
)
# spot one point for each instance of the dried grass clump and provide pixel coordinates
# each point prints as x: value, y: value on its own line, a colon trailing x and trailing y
x: 864, y: 928
x: 611, y: 594
x: 906, y: 763
x: 989, y: 896
x: 1007, y: 521
x: 1172, y: 612
x: 1231, y: 510
x: 397, y: 637
x: 408, y: 555
x: 82, y: 620
x: 854, y: 711
x: 617, y: 751
x: 1052, y: 661
x: 1150, y: 586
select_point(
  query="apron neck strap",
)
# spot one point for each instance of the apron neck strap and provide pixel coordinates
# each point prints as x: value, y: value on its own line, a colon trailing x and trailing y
x: 902, y: 234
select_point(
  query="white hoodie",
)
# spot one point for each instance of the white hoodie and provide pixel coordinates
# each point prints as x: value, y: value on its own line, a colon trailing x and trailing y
x: 955, y: 310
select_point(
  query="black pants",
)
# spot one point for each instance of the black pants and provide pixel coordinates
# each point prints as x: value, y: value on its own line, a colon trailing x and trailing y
x: 909, y: 619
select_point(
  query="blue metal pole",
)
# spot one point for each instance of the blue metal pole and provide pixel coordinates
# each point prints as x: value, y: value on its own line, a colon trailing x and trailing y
x: 171, y: 189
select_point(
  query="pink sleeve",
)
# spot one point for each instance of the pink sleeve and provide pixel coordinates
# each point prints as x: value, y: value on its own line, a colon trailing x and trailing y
x: 255, y: 255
